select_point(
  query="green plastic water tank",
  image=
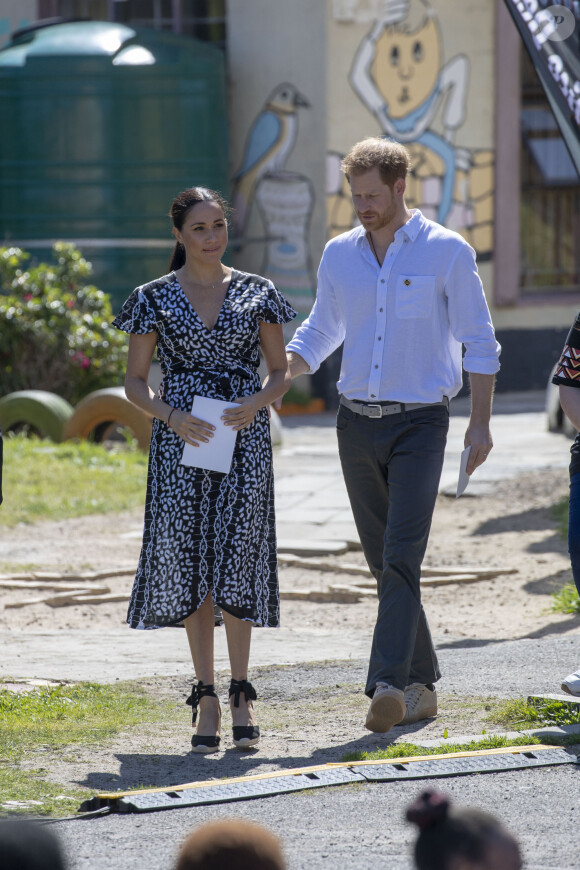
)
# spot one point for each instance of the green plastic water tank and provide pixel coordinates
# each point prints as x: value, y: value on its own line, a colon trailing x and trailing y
x: 102, y: 125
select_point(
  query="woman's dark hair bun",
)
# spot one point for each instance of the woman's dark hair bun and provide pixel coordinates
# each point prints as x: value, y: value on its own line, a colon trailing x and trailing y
x: 430, y: 808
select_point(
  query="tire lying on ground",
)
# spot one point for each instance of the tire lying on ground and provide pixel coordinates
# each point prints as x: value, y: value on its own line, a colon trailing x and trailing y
x: 100, y: 412
x: 43, y: 412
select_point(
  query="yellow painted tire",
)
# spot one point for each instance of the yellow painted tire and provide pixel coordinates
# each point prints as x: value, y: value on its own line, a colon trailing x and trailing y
x: 100, y: 411
x: 45, y: 413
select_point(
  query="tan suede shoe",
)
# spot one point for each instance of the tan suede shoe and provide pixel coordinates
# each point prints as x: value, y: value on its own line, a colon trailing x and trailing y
x: 387, y: 709
x: 421, y: 703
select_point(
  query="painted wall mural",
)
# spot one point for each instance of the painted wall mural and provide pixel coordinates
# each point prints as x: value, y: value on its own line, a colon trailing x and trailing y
x: 284, y: 199
x: 420, y: 99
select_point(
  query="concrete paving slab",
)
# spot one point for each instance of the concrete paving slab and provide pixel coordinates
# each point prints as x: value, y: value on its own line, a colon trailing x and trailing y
x: 312, y: 547
x: 286, y: 500
x: 302, y: 531
x: 307, y: 514
x: 334, y: 499
x: 516, y: 668
x: 293, y: 481
x: 123, y: 653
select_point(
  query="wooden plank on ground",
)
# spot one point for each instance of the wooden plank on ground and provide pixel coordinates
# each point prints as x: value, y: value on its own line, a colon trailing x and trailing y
x: 73, y: 596
x: 483, y: 573
x: 363, y: 591
x: 68, y: 576
x: 448, y: 579
x: 43, y: 584
x: 57, y: 601
x: 347, y: 596
x: 324, y: 565
x: 336, y: 567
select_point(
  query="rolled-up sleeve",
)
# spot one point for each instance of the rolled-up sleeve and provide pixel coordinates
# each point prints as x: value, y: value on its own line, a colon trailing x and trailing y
x: 469, y: 316
x: 323, y: 330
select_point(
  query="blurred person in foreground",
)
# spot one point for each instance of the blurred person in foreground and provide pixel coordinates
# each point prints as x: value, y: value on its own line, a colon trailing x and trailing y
x: 29, y: 845
x: 566, y: 377
x: 459, y: 838
x: 231, y: 843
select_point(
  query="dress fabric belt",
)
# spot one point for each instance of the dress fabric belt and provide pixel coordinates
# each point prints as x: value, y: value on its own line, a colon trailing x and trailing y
x: 386, y: 409
x: 242, y: 370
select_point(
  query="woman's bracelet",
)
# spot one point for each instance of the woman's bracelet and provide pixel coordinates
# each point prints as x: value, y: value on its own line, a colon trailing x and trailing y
x: 169, y: 418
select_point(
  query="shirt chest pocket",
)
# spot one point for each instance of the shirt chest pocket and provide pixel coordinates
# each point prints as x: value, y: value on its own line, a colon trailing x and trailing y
x: 415, y: 295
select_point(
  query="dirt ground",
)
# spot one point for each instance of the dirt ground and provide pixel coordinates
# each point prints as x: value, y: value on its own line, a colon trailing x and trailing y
x: 512, y: 530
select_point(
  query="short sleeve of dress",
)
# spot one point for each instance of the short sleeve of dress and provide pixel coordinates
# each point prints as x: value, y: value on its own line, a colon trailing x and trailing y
x: 567, y: 372
x: 137, y: 316
x: 275, y: 309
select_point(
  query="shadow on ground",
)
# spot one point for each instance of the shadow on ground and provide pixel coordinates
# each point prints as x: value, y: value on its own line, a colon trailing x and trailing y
x: 552, y: 629
x: 139, y: 770
x: 548, y: 585
x: 532, y: 520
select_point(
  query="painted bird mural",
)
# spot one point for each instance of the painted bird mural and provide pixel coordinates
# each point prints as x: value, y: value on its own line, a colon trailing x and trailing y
x: 268, y: 145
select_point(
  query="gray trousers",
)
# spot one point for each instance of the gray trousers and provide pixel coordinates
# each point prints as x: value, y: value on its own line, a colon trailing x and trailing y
x: 392, y: 467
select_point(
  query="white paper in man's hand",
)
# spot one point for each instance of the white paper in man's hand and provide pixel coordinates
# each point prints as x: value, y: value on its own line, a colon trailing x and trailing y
x: 216, y: 454
x: 463, y: 478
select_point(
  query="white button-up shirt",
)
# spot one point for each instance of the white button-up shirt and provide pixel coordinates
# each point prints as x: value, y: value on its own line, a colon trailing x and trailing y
x: 402, y: 323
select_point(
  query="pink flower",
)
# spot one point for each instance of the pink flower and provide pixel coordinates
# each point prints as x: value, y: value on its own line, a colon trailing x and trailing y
x: 70, y: 303
x: 28, y: 297
x: 82, y: 359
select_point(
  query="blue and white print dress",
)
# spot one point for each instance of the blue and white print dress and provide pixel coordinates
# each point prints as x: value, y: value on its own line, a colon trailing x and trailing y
x: 207, y: 532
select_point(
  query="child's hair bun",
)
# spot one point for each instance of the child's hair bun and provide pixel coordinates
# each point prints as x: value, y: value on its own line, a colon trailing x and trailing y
x: 429, y: 809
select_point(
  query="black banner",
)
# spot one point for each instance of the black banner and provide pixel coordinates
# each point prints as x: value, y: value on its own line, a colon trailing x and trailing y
x: 551, y: 35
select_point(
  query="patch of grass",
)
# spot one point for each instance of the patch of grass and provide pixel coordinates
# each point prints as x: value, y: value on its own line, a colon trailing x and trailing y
x: 404, y: 750
x: 63, y: 715
x: 54, y: 719
x: 566, y: 600
x: 43, y: 480
x: 560, y: 514
x: 28, y: 793
x: 539, y: 714
x: 20, y: 567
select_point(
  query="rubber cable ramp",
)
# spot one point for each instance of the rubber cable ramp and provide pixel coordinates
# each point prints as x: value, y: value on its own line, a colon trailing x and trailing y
x: 282, y: 782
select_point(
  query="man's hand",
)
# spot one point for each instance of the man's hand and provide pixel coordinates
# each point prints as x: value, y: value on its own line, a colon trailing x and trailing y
x: 478, y: 434
x: 297, y: 366
x: 479, y: 437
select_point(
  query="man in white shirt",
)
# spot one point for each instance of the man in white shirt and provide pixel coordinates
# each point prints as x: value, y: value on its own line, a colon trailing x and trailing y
x: 403, y: 294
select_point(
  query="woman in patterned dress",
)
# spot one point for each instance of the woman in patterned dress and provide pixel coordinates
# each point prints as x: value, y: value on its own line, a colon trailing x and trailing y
x: 209, y: 538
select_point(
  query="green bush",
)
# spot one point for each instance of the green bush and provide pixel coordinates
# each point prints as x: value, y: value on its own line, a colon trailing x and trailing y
x: 55, y: 331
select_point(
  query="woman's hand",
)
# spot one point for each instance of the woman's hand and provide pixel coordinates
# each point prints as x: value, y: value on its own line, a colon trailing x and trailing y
x: 240, y: 417
x: 191, y: 429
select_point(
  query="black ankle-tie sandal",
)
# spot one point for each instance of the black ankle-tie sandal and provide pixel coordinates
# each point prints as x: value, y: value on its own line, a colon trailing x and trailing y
x: 200, y: 743
x: 245, y: 736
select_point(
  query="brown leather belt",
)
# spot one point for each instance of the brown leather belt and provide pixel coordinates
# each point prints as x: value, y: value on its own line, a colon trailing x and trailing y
x: 386, y: 409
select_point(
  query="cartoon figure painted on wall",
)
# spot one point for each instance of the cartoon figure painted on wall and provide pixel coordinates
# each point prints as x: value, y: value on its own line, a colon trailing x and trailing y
x: 400, y: 75
x: 284, y: 199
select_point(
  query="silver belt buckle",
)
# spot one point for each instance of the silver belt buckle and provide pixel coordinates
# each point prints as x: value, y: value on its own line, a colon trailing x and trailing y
x: 375, y: 412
